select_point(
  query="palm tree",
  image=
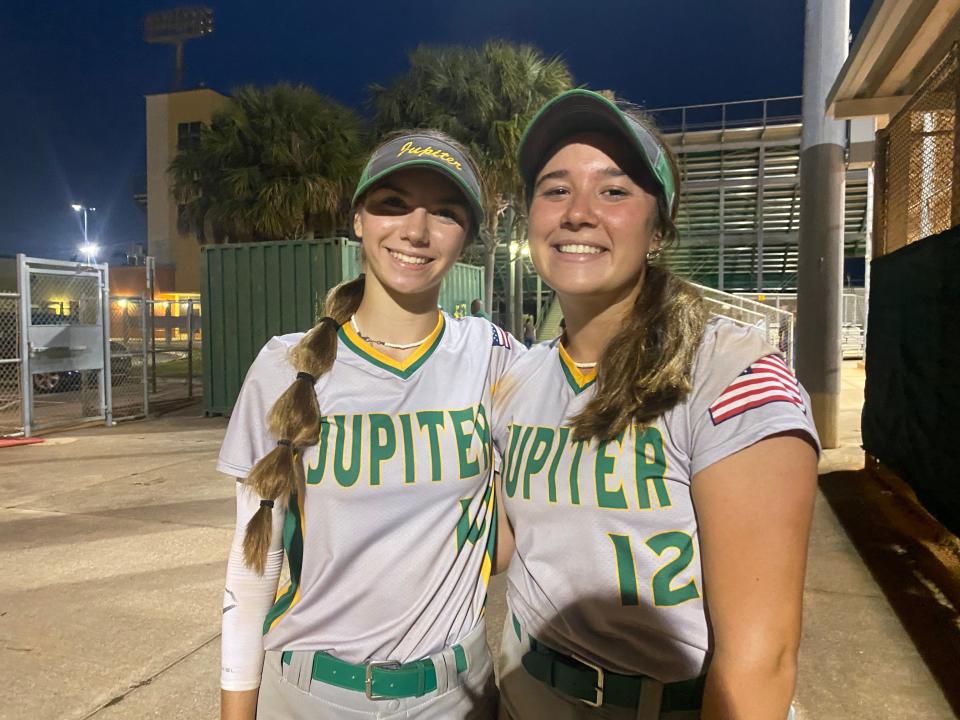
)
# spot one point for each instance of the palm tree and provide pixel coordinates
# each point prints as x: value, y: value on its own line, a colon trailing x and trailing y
x: 484, y: 97
x: 275, y: 164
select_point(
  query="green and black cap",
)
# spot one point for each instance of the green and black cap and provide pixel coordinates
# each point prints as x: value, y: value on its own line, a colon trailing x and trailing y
x: 408, y: 151
x: 578, y: 111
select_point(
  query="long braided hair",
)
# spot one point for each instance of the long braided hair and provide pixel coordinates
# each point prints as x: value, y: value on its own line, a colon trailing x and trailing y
x: 294, y: 420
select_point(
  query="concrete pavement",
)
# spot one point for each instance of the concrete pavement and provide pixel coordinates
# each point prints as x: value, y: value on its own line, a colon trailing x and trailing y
x: 112, y: 552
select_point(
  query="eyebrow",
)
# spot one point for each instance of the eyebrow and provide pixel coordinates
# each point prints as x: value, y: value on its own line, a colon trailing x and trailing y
x: 610, y: 171
x: 555, y: 175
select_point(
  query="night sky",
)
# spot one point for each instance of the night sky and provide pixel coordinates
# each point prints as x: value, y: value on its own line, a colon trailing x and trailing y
x: 73, y: 77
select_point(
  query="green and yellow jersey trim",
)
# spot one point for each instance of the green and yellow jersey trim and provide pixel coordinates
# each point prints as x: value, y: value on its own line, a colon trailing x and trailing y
x: 401, y: 368
x: 293, y: 544
x: 578, y: 379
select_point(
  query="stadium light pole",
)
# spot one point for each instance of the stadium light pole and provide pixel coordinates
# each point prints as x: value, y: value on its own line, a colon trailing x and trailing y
x: 175, y: 27
x: 77, y: 207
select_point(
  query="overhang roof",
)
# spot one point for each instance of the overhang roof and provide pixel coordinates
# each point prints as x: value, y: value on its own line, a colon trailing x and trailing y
x: 899, y: 45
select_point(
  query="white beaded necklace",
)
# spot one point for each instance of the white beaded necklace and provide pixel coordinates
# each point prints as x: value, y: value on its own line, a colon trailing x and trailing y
x: 587, y: 366
x: 384, y: 343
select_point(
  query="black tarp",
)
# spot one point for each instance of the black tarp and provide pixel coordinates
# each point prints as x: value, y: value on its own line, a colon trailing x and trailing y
x: 911, y: 412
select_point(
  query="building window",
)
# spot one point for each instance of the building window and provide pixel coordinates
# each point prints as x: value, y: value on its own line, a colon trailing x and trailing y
x: 188, y: 135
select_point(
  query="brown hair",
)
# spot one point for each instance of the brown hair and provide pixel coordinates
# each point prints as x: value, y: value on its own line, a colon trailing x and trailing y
x: 646, y: 368
x: 294, y: 419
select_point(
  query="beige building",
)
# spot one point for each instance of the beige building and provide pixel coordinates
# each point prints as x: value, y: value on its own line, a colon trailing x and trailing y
x: 173, y: 122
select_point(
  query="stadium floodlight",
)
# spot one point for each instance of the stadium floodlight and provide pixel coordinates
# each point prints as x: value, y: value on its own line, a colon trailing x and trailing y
x: 77, y: 207
x: 90, y: 250
x: 175, y: 27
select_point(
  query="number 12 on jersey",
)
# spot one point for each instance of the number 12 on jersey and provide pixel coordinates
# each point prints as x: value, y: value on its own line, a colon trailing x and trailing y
x: 664, y: 594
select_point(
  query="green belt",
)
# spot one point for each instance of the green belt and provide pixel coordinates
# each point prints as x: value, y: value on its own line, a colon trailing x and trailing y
x: 595, y: 686
x: 380, y: 679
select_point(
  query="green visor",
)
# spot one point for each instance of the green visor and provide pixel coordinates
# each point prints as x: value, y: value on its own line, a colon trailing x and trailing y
x: 411, y: 151
x: 578, y: 111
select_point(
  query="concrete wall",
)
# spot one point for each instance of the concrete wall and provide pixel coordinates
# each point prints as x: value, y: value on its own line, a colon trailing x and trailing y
x: 164, y: 113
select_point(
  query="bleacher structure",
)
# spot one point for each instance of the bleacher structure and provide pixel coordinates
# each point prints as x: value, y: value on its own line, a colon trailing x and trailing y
x: 739, y: 212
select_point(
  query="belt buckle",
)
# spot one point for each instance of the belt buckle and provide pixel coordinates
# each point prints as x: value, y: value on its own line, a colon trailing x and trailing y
x: 598, y: 700
x: 368, y: 676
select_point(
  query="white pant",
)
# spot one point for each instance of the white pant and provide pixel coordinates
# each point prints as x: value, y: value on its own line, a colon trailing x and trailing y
x: 526, y: 698
x: 288, y: 694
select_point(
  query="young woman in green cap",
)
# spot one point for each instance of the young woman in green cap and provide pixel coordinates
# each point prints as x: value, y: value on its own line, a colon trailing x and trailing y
x: 363, y: 454
x: 659, y: 467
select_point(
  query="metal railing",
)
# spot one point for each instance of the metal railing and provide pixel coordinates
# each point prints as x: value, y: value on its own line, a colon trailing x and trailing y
x: 853, y: 318
x: 776, y: 323
x: 729, y: 115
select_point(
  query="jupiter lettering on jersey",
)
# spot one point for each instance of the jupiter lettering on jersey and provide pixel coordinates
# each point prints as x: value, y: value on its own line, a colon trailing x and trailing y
x: 402, y: 449
x: 624, y: 474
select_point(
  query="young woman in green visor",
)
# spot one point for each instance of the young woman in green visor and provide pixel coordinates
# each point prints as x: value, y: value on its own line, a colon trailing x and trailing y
x: 364, y: 455
x: 659, y: 466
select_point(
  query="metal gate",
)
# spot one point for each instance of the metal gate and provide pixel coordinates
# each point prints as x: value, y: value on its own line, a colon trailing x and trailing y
x: 63, y: 313
x: 11, y: 394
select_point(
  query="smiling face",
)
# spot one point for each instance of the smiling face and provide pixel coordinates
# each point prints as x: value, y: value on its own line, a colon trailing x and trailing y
x: 591, y: 223
x: 413, y: 226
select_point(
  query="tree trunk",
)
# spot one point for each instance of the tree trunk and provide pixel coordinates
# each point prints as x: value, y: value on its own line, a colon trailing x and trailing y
x: 508, y: 322
x: 489, y: 261
x: 517, y: 286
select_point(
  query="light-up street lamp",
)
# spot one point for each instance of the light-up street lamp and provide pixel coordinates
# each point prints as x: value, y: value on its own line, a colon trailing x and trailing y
x: 90, y: 250
x: 87, y: 248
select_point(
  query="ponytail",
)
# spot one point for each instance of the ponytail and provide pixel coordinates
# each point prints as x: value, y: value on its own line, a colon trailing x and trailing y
x: 646, y: 368
x: 294, y: 420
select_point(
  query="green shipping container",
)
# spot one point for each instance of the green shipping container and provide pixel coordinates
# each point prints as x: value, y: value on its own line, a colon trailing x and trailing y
x: 253, y: 291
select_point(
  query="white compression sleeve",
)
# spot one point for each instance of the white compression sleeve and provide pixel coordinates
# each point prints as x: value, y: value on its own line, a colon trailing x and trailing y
x: 247, y: 597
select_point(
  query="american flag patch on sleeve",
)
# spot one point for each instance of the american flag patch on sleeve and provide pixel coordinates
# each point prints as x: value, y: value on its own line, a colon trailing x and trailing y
x: 768, y: 380
x: 500, y: 337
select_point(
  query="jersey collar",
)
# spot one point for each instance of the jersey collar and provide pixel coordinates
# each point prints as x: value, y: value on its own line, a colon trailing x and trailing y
x: 401, y: 368
x: 577, y: 378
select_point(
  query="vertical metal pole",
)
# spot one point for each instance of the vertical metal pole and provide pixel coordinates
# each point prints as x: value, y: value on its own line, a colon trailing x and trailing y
x: 820, y: 271
x: 518, y: 293
x: 867, y: 257
x: 151, y: 282
x: 179, y: 81
x: 190, y: 348
x: 26, y: 378
x: 721, y: 270
x: 761, y: 157
x: 539, y: 302
x: 106, y: 386
x: 955, y: 180
x: 143, y: 354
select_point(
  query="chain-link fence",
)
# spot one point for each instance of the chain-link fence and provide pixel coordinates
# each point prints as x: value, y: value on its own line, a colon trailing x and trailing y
x: 155, y: 349
x: 11, y: 394
x: 128, y: 367
x: 918, y: 189
x: 175, y: 364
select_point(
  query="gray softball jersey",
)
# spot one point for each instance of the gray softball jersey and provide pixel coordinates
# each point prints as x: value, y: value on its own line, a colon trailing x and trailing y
x: 607, y: 561
x: 390, y: 551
